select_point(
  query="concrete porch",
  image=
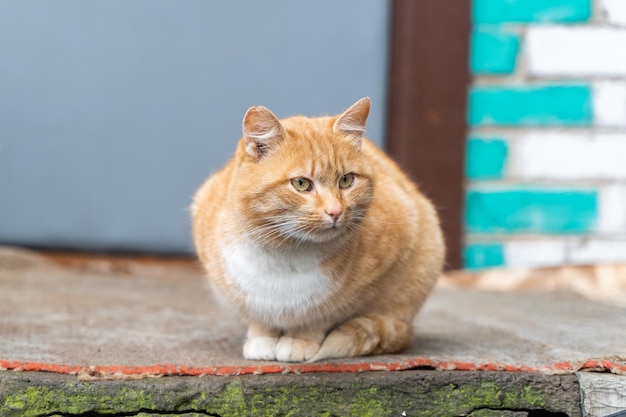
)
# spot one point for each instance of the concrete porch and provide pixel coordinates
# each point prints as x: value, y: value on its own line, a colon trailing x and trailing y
x: 95, y: 336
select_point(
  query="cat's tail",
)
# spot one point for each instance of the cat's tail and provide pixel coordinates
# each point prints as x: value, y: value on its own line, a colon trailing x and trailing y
x: 364, y: 335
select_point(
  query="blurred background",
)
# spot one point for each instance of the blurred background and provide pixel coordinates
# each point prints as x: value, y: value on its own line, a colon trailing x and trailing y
x: 510, y: 114
x: 113, y: 113
x: 546, y: 156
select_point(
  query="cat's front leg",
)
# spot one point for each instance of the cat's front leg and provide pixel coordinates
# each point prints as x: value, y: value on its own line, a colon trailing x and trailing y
x: 299, y: 345
x: 260, y: 343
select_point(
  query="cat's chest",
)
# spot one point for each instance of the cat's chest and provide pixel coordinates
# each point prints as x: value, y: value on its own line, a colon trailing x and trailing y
x: 279, y: 287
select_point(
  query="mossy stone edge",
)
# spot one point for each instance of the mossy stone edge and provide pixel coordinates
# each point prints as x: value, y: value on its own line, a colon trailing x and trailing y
x: 422, y: 392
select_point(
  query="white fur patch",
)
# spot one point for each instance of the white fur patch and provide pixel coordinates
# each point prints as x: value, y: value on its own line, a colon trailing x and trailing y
x: 260, y: 348
x: 280, y: 289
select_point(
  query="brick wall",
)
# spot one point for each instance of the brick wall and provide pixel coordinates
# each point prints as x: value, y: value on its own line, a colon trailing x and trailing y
x: 546, y: 164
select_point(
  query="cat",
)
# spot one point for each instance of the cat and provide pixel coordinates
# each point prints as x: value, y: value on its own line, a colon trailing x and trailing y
x: 320, y: 241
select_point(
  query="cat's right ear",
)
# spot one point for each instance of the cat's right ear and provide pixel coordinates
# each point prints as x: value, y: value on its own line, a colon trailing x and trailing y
x: 261, y: 131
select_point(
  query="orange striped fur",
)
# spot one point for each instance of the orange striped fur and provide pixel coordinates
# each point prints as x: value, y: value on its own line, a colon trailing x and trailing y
x: 318, y: 239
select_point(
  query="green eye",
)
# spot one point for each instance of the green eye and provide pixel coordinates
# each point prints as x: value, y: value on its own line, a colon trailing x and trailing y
x: 302, y: 184
x: 346, y: 181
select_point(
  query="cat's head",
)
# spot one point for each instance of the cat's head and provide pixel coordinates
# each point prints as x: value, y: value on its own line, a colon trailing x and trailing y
x: 302, y: 179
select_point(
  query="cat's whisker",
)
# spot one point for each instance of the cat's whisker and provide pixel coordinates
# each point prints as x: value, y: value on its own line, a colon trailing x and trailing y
x: 264, y: 234
x: 353, y: 226
x: 369, y: 219
x: 295, y: 233
x: 273, y: 238
x: 285, y: 227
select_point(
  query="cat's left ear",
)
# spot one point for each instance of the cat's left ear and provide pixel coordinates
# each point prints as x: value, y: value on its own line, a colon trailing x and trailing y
x: 261, y: 131
x: 352, y: 121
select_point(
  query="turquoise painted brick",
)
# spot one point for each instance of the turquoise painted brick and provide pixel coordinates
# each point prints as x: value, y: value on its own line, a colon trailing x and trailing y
x: 483, y: 255
x: 486, y: 158
x: 554, y: 105
x: 531, y: 211
x: 493, y: 51
x: 526, y: 11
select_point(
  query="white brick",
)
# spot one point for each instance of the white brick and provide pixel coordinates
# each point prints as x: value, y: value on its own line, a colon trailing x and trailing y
x: 534, y: 253
x: 596, y: 251
x: 568, y: 156
x: 576, y: 51
x: 612, y: 209
x: 615, y: 11
x: 609, y: 102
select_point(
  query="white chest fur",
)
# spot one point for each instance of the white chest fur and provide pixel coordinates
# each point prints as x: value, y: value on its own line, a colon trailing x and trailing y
x: 280, y: 289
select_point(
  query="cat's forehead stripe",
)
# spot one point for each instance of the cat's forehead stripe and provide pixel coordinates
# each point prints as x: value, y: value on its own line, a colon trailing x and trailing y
x: 319, y: 156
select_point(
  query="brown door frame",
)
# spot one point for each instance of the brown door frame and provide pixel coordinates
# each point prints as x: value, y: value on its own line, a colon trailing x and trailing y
x: 426, y: 120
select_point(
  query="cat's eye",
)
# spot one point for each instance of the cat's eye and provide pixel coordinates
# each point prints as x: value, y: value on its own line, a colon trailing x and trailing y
x: 346, y: 181
x: 302, y: 184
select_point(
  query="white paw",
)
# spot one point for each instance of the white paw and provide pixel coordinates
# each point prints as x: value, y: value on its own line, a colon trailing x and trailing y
x: 289, y: 349
x: 260, y: 348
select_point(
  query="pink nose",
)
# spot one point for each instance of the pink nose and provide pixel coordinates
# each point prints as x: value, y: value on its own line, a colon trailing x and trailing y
x: 334, y: 212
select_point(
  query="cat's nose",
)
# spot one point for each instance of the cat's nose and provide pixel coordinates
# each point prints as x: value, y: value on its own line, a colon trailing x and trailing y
x: 334, y: 212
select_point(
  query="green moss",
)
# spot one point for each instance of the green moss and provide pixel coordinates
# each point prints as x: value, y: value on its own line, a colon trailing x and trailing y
x: 286, y: 400
x: 197, y: 402
x: 231, y: 401
x: 38, y: 400
x: 15, y: 402
x: 241, y: 398
x: 369, y: 403
x: 533, y: 396
x: 453, y: 398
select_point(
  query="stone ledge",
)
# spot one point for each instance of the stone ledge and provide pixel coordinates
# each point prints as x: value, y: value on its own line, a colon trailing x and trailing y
x: 407, y: 393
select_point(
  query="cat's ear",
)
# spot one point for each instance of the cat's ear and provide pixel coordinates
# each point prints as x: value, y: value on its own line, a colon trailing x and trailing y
x: 261, y: 131
x: 352, y: 121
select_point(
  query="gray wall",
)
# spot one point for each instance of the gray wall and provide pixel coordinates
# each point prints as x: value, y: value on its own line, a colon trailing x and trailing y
x: 113, y: 112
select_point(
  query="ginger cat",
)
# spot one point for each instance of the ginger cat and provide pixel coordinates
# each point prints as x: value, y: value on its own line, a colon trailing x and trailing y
x: 324, y: 246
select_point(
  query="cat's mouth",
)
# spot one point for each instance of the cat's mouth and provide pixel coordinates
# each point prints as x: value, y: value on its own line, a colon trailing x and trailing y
x: 326, y: 233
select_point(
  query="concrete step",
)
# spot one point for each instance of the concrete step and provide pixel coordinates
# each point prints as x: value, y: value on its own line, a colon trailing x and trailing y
x: 144, y: 337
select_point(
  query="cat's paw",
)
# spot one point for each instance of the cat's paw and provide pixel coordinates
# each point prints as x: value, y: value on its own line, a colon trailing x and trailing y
x: 260, y: 348
x: 290, y: 349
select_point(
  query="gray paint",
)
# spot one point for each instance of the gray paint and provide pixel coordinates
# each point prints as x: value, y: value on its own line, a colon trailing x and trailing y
x: 113, y: 113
